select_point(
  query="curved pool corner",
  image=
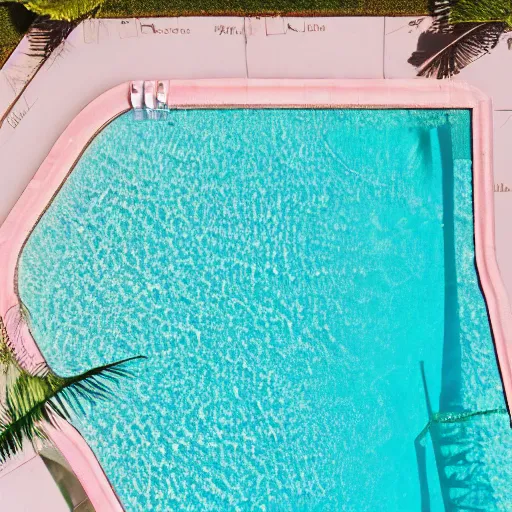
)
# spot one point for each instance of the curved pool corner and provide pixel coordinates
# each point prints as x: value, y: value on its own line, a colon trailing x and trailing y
x: 13, y: 234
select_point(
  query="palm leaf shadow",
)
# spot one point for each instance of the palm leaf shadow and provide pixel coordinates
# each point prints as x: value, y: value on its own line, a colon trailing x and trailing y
x: 442, y: 55
x: 45, y: 35
x: 444, y: 49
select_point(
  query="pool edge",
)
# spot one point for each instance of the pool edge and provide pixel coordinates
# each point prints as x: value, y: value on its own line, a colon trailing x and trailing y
x: 256, y: 93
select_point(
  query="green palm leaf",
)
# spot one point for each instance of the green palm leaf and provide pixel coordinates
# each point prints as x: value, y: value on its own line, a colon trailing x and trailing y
x: 12, y: 351
x: 33, y: 399
x: 6, y: 355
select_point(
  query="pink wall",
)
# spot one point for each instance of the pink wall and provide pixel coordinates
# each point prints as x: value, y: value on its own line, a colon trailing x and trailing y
x: 251, y: 94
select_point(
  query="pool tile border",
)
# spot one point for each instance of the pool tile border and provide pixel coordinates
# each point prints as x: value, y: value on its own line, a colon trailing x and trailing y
x: 253, y: 93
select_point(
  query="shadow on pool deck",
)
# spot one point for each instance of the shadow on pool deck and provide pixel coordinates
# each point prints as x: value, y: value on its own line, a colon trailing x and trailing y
x: 67, y: 482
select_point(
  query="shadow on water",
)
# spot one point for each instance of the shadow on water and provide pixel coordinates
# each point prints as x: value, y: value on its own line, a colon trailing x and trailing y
x: 421, y: 451
x: 450, y: 399
x: 464, y: 486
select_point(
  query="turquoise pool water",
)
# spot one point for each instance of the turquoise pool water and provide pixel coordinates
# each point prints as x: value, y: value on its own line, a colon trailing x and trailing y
x: 285, y: 272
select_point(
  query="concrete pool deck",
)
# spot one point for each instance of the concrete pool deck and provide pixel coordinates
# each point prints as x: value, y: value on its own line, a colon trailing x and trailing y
x: 180, y: 48
x: 253, y: 94
x: 29, y: 467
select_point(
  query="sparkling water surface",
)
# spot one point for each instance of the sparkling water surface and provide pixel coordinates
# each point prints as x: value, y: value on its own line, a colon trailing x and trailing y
x: 285, y: 272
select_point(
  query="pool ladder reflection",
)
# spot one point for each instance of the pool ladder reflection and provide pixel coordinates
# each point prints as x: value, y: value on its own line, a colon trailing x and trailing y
x: 149, y: 98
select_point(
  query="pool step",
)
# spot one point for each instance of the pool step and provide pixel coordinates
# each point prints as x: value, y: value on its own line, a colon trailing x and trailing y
x: 137, y: 94
x: 150, y: 95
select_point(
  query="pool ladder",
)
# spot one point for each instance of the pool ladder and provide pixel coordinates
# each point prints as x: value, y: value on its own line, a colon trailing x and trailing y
x: 149, y: 97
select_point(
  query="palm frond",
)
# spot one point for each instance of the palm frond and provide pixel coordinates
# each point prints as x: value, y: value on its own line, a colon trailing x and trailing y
x: 14, y: 432
x: 466, y: 44
x: 6, y: 356
x: 16, y: 327
x: 32, y: 399
x: 457, y: 417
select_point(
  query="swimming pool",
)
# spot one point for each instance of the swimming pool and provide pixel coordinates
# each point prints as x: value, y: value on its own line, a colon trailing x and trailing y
x: 284, y: 311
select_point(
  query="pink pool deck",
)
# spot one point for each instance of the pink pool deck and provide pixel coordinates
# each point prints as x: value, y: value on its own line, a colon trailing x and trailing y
x: 252, y: 93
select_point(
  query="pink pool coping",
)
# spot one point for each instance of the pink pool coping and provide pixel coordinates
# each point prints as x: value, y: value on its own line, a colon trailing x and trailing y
x: 252, y: 93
